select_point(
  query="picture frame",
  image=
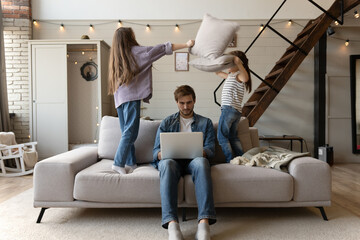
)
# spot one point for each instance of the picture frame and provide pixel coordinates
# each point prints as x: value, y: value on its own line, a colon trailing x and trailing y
x: 233, y: 42
x: 181, y: 61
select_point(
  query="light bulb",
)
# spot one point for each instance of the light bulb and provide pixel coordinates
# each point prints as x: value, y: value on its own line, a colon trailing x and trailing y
x: 290, y: 22
x: 95, y: 141
x: 356, y: 14
x: 91, y: 27
x: 75, y: 62
x: 120, y: 24
x: 177, y: 28
x: 147, y: 27
x: 336, y: 23
x: 82, y: 53
x: 62, y: 27
x: 347, y: 42
x: 35, y: 22
x: 97, y: 124
x: 261, y: 27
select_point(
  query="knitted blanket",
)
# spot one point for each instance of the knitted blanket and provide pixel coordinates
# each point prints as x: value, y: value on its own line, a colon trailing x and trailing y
x: 268, y: 157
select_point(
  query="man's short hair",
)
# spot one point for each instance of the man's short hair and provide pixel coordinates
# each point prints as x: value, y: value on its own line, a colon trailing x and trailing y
x: 184, y: 90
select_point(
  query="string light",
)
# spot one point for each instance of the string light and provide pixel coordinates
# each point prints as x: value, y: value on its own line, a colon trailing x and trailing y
x: 347, y: 42
x: 76, y: 62
x: 356, y: 14
x: 177, y: 28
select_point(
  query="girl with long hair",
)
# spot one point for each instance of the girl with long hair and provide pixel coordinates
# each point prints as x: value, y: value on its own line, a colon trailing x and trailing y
x: 130, y: 81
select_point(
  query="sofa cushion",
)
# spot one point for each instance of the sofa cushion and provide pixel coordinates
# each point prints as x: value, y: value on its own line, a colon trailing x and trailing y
x: 236, y: 183
x: 110, y: 135
x: 98, y: 183
x: 218, y: 64
x: 213, y: 37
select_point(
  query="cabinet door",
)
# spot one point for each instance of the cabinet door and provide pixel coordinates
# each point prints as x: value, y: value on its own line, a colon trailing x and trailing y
x: 49, y: 99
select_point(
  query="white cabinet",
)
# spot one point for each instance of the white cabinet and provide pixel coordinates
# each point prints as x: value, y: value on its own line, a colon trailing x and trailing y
x: 67, y: 104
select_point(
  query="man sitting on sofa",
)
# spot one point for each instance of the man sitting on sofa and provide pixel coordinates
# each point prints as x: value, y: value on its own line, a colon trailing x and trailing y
x: 171, y: 170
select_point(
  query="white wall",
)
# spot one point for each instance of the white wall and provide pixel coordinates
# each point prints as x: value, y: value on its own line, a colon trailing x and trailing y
x: 172, y: 9
x: 339, y: 107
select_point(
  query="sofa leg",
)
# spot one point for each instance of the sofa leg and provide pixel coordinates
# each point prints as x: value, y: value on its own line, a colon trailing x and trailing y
x: 184, y: 214
x: 323, y: 214
x: 42, y: 211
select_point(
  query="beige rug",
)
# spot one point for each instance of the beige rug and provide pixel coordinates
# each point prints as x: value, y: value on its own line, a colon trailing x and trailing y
x: 17, y: 221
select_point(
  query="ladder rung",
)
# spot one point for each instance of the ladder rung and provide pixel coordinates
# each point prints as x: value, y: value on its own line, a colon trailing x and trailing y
x: 286, y: 58
x: 309, y: 27
x: 298, y: 42
x: 262, y: 89
x: 251, y: 104
x: 274, y: 74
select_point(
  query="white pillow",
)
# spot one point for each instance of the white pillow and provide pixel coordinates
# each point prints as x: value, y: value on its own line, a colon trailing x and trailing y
x: 218, y: 64
x: 213, y: 36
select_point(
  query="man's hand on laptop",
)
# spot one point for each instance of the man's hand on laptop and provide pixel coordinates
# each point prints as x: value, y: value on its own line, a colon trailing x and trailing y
x: 159, y: 155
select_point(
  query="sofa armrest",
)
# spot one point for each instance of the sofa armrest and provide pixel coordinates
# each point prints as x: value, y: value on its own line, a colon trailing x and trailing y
x: 254, y: 134
x: 54, y: 177
x: 312, y: 179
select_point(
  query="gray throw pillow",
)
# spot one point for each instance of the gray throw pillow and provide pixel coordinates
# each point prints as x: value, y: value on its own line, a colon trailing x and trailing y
x: 213, y: 36
x: 218, y: 64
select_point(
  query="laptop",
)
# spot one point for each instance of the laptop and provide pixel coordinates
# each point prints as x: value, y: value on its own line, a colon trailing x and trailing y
x: 181, y: 145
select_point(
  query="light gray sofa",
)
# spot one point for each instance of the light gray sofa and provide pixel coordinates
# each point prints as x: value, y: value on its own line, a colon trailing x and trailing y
x: 83, y: 177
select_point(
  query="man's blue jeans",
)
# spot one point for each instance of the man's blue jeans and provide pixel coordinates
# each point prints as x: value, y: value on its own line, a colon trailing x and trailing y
x: 170, y: 173
x: 129, y: 117
x: 227, y: 132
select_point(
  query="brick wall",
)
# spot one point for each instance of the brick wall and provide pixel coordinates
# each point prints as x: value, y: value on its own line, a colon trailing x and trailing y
x: 17, y: 31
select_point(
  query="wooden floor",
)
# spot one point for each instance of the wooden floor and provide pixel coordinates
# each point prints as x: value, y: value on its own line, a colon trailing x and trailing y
x: 345, y: 186
x: 12, y: 186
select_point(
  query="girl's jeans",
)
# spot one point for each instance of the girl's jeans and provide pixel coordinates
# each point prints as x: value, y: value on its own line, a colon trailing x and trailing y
x: 227, y: 132
x: 129, y: 117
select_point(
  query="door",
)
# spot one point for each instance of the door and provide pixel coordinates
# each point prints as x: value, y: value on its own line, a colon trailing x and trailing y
x: 49, y: 99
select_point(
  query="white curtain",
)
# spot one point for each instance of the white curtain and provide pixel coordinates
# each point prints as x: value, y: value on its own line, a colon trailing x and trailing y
x: 4, y: 106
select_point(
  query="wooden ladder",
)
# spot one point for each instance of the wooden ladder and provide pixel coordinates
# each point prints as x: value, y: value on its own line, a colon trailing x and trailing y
x: 290, y: 61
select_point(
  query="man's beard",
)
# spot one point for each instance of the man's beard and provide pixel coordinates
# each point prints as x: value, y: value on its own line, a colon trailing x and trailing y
x: 186, y: 113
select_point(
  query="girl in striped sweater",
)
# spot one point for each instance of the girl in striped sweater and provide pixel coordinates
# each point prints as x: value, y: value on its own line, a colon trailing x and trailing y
x: 237, y: 80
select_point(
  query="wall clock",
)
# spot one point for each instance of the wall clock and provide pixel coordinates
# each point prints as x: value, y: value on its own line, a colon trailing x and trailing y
x: 89, y: 71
